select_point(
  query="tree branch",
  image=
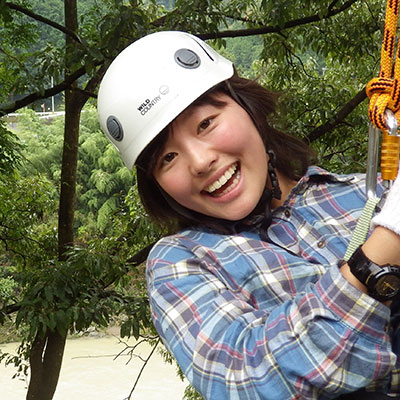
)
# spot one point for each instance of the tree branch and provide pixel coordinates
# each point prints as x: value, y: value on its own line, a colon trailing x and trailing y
x: 7, y: 108
x: 278, y: 28
x: 85, y: 92
x: 94, y: 81
x: 12, y: 57
x: 140, y: 256
x: 141, y: 369
x: 46, y: 21
x: 338, y: 118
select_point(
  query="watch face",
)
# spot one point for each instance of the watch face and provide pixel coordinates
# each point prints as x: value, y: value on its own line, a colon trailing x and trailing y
x: 388, y: 285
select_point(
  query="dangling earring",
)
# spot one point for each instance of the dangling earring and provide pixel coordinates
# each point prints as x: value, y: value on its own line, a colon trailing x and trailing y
x: 276, y: 190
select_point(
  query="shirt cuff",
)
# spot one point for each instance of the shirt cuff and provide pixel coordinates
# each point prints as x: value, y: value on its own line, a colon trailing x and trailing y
x: 356, y: 309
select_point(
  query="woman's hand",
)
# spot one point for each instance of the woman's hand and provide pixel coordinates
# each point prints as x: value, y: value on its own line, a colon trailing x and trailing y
x: 389, y: 217
x: 383, y: 245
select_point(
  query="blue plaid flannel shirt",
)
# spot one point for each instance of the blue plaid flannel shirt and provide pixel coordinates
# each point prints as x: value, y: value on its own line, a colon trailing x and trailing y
x: 273, y: 318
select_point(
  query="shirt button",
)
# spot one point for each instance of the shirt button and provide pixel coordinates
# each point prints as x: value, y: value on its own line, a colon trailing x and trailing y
x: 287, y: 213
x: 321, y: 244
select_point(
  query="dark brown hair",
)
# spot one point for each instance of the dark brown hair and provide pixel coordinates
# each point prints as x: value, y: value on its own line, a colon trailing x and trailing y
x: 293, y: 156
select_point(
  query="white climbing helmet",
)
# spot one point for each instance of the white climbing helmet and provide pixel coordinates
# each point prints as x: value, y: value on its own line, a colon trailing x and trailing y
x: 150, y: 83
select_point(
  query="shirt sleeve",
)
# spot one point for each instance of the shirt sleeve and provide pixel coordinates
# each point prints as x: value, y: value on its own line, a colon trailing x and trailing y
x: 326, y: 340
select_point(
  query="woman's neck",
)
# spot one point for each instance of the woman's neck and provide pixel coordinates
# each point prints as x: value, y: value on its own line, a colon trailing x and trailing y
x: 286, y: 185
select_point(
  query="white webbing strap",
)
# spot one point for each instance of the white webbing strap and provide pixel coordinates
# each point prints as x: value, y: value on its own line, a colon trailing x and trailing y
x: 362, y: 227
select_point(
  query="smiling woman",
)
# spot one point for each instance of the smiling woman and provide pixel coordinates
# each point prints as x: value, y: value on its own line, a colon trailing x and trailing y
x: 290, y: 155
x: 251, y: 293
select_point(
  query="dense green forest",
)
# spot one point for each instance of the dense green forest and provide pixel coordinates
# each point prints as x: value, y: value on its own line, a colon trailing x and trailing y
x: 102, y: 180
x: 73, y: 236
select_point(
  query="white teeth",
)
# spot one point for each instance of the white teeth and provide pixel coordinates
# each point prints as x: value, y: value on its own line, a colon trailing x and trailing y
x: 230, y: 187
x: 223, y: 179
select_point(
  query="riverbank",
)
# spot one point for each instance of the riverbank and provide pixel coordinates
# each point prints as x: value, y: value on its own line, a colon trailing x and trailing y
x: 91, y: 371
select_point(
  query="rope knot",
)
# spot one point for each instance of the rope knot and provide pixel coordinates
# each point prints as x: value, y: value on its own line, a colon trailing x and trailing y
x: 379, y: 86
x: 384, y: 93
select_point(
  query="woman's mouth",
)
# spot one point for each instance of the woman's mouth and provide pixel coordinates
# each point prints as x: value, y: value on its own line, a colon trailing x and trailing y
x: 225, y: 183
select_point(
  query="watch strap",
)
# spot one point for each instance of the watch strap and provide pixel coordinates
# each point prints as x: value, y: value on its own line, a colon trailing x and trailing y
x: 361, y: 266
x: 370, y: 274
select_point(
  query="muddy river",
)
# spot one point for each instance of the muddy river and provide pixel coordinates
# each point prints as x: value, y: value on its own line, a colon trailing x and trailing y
x: 90, y: 371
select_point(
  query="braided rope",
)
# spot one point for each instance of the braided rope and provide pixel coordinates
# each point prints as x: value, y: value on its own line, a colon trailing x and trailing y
x: 384, y: 92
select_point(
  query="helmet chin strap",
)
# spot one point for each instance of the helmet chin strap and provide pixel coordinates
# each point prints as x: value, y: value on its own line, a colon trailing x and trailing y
x: 276, y: 190
x: 269, y: 194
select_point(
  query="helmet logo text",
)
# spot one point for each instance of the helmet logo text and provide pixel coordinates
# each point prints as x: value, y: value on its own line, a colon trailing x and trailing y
x: 148, y: 104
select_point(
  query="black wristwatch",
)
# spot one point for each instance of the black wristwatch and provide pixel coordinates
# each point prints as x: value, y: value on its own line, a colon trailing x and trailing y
x: 382, y: 281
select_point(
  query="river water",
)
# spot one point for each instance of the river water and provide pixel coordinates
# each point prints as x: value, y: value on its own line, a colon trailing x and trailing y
x: 90, y: 371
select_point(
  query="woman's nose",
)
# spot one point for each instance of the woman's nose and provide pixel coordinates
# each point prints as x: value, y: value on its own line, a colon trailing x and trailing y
x: 201, y: 159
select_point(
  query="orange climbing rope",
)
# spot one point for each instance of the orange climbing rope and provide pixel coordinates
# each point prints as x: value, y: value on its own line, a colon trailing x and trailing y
x: 384, y: 93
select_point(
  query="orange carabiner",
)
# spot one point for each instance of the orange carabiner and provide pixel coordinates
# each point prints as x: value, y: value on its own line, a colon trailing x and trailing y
x: 384, y: 94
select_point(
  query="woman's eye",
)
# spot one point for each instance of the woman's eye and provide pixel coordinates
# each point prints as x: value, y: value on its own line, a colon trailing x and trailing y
x: 168, y: 157
x: 205, y: 124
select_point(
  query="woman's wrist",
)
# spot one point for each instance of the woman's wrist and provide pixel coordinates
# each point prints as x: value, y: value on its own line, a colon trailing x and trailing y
x: 382, y: 247
x: 345, y: 270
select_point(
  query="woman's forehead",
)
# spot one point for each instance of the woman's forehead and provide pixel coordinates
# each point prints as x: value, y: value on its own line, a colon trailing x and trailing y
x: 215, y: 100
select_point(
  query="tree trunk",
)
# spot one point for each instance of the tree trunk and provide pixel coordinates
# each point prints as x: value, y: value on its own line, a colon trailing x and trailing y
x: 73, y: 107
x: 45, y: 365
x: 74, y: 102
x: 47, y: 351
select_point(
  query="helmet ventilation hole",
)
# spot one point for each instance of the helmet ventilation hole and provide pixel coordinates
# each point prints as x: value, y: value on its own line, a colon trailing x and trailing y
x: 114, y: 128
x: 187, y: 58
